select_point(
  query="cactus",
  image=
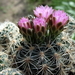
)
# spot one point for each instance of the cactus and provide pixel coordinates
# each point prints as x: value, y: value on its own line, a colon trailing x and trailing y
x: 9, y: 37
x: 4, y: 62
x: 10, y: 71
x: 48, y: 49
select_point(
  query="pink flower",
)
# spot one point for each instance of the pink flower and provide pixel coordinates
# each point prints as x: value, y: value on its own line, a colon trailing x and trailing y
x: 60, y: 18
x: 39, y: 24
x: 43, y: 11
x: 24, y: 23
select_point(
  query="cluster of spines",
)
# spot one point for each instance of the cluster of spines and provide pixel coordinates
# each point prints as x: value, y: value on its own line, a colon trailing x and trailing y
x: 10, y: 71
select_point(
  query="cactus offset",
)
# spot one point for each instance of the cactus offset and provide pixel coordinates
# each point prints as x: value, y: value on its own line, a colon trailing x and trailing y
x: 4, y: 62
x: 9, y: 37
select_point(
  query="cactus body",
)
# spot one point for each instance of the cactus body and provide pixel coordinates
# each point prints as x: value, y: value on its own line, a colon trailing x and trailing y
x: 37, y: 60
x: 46, y: 59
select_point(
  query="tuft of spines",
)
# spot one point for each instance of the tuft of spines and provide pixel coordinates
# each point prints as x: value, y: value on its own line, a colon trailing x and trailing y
x: 10, y: 71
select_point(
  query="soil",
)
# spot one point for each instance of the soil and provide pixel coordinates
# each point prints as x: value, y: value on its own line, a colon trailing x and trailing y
x: 12, y: 10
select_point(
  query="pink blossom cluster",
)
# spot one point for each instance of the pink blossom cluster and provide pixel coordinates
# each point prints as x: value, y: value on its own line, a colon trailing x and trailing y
x: 44, y: 15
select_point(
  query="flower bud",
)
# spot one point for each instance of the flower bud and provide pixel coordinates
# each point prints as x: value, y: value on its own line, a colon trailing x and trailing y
x: 24, y: 25
x: 39, y: 24
x: 43, y: 11
x: 59, y: 19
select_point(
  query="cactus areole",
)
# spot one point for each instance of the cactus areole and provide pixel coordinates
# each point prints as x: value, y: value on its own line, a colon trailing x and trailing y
x: 39, y: 53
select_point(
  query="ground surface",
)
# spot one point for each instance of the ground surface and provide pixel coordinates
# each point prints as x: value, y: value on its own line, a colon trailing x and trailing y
x: 12, y: 10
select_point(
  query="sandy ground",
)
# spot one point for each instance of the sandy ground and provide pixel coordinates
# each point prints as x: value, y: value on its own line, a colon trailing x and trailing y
x: 12, y: 10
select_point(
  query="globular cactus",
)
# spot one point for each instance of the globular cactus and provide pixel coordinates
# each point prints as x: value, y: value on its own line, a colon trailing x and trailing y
x: 48, y: 50
x: 4, y: 62
x: 10, y: 71
x: 9, y: 37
